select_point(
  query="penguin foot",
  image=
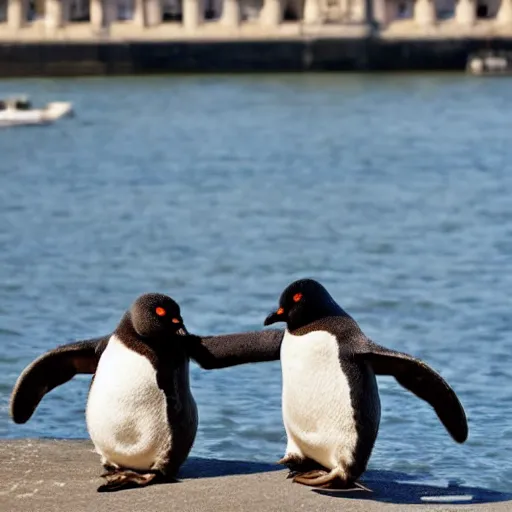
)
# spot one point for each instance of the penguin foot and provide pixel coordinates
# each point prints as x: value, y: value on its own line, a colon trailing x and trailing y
x: 293, y: 462
x: 321, y: 478
x: 305, y: 477
x: 291, y: 459
x: 109, y: 470
x: 298, y: 465
x: 125, y: 479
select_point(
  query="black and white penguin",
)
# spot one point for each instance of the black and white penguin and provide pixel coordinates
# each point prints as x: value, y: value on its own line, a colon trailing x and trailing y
x: 330, y: 399
x: 140, y: 414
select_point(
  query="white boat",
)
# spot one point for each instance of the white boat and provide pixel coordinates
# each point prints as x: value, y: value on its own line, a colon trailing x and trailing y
x: 490, y: 63
x: 18, y: 110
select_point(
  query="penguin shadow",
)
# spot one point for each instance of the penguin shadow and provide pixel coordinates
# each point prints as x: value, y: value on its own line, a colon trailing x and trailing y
x: 196, y: 467
x: 400, y: 488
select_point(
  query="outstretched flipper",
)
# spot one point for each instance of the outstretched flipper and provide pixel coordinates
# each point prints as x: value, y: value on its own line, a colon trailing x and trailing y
x: 60, y: 365
x: 51, y: 370
x: 226, y: 350
x: 423, y: 381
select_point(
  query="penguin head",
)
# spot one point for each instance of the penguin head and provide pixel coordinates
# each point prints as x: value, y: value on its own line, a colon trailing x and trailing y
x: 154, y: 315
x: 302, y: 302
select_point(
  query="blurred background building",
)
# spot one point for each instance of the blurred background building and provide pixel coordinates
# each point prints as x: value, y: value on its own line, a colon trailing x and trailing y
x: 79, y: 19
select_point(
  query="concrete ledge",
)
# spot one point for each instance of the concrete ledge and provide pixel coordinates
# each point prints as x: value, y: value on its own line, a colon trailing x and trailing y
x: 48, y: 475
x: 285, y: 55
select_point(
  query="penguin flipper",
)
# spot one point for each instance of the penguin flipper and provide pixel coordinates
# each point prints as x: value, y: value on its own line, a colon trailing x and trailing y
x: 416, y: 376
x: 225, y: 350
x: 51, y: 370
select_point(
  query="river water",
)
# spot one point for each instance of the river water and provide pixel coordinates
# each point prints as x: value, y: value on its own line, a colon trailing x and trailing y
x: 394, y: 191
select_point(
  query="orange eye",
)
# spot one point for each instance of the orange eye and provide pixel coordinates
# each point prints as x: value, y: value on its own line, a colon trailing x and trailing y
x: 297, y: 297
x: 160, y: 311
x: 175, y: 321
x: 280, y: 311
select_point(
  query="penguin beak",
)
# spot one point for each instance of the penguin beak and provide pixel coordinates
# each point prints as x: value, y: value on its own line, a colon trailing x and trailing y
x: 275, y: 316
x: 182, y: 331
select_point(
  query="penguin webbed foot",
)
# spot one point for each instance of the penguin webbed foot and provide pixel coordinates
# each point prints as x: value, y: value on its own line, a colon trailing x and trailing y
x: 298, y: 465
x: 310, y: 477
x: 324, y: 479
x: 291, y: 459
x: 125, y: 479
x: 109, y: 470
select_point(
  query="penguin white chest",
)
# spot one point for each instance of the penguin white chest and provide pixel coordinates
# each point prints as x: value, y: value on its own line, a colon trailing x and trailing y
x: 317, y: 408
x: 127, y: 411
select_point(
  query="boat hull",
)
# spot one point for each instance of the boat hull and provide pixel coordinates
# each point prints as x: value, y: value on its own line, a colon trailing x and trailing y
x: 52, y: 112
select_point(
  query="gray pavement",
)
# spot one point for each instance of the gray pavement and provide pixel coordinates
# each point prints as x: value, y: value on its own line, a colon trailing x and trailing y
x: 48, y: 475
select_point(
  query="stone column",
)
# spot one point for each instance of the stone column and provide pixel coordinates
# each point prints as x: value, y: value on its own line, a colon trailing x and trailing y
x: 504, y: 16
x: 424, y: 13
x: 230, y: 13
x: 358, y: 11
x: 465, y: 12
x: 15, y: 13
x: 53, y: 11
x: 139, y: 14
x: 192, y: 14
x: 312, y: 12
x: 96, y: 14
x: 380, y: 12
x: 272, y: 13
x: 153, y: 12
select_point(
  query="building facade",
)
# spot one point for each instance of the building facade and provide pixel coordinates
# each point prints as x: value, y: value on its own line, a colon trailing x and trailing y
x: 94, y: 16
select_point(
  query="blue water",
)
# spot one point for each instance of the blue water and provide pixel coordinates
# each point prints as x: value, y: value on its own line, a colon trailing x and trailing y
x: 395, y: 192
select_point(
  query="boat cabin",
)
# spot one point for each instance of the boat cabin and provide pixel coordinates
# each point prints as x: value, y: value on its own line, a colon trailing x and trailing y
x: 15, y: 103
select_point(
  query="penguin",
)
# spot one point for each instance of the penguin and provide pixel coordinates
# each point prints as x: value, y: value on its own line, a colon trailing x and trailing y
x: 140, y: 414
x: 330, y: 399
